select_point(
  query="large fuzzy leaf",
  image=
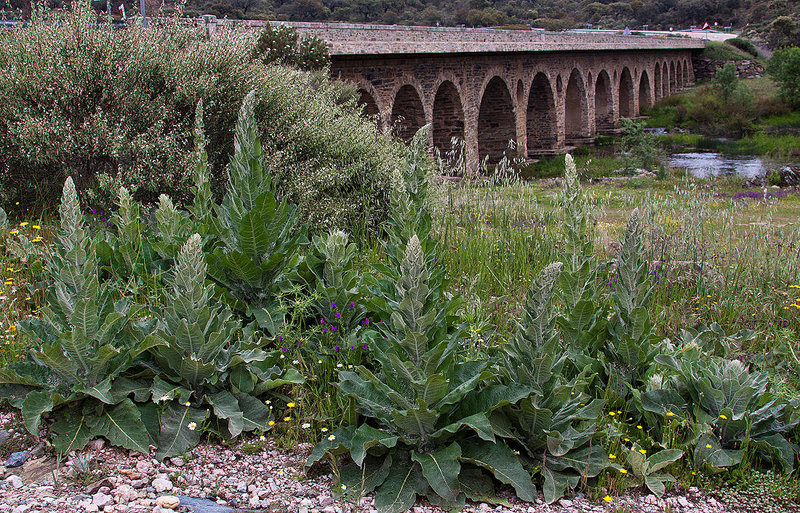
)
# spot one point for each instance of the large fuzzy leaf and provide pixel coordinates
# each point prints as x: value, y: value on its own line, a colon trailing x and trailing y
x: 501, y: 461
x: 122, y: 426
x: 478, y: 423
x: 556, y: 483
x: 708, y: 450
x: 399, y: 492
x: 365, y: 478
x: 365, y: 437
x: 35, y: 404
x: 255, y: 413
x: 663, y: 459
x: 587, y: 461
x: 227, y: 407
x: 72, y: 432
x: 441, y: 469
x: 181, y: 427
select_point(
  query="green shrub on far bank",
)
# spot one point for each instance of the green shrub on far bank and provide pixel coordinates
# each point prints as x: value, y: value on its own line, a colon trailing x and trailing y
x: 724, y: 52
x: 727, y: 108
x: 744, y: 45
x: 784, y: 67
x: 116, y: 108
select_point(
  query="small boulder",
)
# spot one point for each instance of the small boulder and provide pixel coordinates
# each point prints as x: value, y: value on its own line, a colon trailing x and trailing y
x: 101, y: 500
x: 162, y: 485
x: 16, y: 459
x: 168, y: 502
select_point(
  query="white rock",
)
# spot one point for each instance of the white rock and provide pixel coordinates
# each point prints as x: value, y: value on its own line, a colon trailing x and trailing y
x: 21, y: 508
x: 14, y: 482
x: 91, y: 508
x: 162, y: 485
x: 102, y: 500
x: 565, y: 503
x: 683, y: 502
x: 168, y: 502
x: 178, y: 462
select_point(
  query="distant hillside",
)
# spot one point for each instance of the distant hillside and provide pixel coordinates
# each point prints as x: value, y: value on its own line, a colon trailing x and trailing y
x: 772, y: 22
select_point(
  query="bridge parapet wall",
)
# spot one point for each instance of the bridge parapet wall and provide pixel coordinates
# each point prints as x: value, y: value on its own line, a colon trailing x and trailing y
x: 358, y: 39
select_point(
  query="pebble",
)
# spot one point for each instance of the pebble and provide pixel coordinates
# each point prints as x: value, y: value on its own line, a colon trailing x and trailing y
x: 14, y: 481
x: 4, y: 436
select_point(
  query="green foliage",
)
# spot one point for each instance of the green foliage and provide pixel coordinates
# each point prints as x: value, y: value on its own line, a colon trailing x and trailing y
x: 84, y: 341
x: 116, y: 108
x: 743, y: 44
x: 735, y: 409
x: 110, y: 368
x: 646, y: 469
x: 426, y: 408
x: 632, y: 343
x: 784, y: 67
x: 281, y: 44
x: 640, y: 148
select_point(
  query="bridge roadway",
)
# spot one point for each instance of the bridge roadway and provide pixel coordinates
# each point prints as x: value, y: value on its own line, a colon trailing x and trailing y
x: 546, y: 91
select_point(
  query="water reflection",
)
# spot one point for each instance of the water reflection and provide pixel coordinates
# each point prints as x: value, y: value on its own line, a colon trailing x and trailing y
x: 704, y: 165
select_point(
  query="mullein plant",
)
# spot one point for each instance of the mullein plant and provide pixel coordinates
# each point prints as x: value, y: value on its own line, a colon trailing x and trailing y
x: 258, y: 234
x: 582, y: 314
x: 425, y: 429
x: 632, y: 344
x: 208, y: 366
x: 83, y: 342
x: 556, y: 421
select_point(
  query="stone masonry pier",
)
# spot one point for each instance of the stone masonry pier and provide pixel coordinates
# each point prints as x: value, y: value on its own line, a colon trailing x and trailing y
x: 545, y: 91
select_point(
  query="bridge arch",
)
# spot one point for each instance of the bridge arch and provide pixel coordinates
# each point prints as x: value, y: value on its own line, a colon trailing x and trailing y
x: 679, y: 79
x: 408, y: 111
x: 645, y: 98
x: 627, y: 109
x: 448, y: 116
x: 686, y: 80
x: 496, y: 120
x: 541, y: 117
x: 576, y: 112
x: 369, y: 104
x: 603, y: 102
x: 664, y: 80
x: 673, y: 78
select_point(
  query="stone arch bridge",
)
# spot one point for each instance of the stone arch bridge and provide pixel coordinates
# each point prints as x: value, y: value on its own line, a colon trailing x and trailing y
x: 546, y: 91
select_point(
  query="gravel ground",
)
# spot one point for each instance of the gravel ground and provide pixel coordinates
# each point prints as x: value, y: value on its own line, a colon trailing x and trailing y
x: 224, y: 478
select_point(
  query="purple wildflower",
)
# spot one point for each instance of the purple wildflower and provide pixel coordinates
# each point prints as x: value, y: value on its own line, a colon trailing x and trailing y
x: 334, y: 328
x: 322, y: 321
x: 364, y: 346
x: 333, y: 305
x: 365, y: 321
x: 352, y: 305
x: 336, y: 348
x: 284, y: 349
x: 338, y: 315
